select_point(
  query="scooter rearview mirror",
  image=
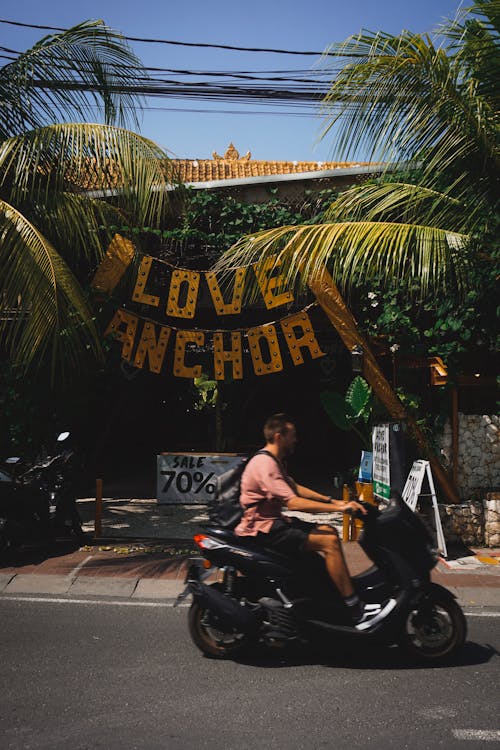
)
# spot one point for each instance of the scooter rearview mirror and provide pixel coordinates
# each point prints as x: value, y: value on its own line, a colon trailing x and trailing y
x: 62, y: 436
x: 13, y: 460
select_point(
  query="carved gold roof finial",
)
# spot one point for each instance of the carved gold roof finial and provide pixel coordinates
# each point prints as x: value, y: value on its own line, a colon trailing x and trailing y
x: 232, y: 154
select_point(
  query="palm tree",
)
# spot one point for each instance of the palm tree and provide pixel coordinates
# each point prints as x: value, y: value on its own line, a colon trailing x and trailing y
x: 431, y: 114
x: 50, y: 223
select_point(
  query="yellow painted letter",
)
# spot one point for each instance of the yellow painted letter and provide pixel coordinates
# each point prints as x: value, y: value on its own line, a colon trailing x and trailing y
x: 274, y: 362
x: 138, y: 294
x: 234, y: 355
x: 221, y: 307
x: 148, y: 345
x: 306, y: 339
x: 178, y: 280
x: 181, y: 340
x: 125, y: 335
x: 269, y: 284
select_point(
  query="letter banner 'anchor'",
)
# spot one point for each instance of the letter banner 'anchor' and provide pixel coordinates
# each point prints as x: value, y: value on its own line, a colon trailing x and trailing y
x: 412, y: 491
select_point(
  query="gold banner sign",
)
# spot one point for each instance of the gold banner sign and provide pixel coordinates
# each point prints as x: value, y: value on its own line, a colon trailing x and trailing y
x: 147, y: 342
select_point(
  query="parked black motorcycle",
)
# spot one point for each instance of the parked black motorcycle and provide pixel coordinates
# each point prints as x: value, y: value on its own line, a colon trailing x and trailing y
x: 37, y: 500
x: 269, y: 598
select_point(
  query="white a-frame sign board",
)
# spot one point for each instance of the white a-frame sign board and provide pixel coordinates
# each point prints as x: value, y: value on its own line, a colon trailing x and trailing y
x: 413, y: 490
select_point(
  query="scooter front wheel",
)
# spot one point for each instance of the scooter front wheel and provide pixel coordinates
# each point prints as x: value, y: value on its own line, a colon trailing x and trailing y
x: 435, y: 629
x: 208, y: 636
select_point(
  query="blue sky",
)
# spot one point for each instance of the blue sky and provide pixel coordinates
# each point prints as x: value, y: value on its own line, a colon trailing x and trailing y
x: 292, y: 25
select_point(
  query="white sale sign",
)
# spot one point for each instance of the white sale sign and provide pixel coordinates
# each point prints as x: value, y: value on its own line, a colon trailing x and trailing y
x: 191, y: 478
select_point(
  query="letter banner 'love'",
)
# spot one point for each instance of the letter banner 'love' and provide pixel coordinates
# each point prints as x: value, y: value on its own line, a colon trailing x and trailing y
x: 172, y: 318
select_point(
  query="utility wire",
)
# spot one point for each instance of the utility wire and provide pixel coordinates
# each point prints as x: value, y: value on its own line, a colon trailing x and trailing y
x: 243, y: 75
x: 177, y: 43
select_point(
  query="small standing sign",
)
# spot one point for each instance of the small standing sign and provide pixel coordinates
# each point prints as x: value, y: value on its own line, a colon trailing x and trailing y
x: 389, y: 470
x: 381, y: 464
x: 413, y: 490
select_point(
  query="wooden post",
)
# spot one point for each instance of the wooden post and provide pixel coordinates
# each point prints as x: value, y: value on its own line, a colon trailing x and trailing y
x: 330, y: 299
x: 98, y: 508
x: 346, y: 518
x: 454, y: 433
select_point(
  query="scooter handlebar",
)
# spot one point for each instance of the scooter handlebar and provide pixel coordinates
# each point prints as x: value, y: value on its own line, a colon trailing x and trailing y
x: 372, y: 510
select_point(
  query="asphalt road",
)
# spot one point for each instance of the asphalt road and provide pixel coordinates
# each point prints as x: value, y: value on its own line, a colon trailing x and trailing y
x: 125, y: 675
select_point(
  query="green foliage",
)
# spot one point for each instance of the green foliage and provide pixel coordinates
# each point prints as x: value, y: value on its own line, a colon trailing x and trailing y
x: 358, y: 397
x: 352, y: 411
x: 17, y: 410
x: 451, y: 325
x: 206, y: 392
x: 220, y: 220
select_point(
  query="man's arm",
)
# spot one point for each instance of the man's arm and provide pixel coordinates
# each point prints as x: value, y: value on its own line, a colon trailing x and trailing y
x: 314, y: 506
x: 308, y: 494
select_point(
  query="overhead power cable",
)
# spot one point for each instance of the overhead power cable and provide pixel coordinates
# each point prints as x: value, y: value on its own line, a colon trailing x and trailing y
x: 177, y: 43
x: 243, y: 75
x: 200, y: 90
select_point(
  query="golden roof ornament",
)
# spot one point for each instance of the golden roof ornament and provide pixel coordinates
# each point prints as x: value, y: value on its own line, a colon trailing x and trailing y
x: 232, y: 154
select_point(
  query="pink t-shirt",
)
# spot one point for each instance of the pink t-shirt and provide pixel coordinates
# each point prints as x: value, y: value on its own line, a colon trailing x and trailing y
x: 265, y: 482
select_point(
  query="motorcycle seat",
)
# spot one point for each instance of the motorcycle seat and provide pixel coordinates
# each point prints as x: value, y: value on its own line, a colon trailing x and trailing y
x: 250, y: 543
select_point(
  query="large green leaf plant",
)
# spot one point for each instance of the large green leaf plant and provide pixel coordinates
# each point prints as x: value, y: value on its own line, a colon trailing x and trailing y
x: 352, y: 411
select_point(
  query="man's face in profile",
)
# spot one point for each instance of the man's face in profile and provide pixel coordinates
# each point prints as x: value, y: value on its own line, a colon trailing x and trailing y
x: 289, y: 439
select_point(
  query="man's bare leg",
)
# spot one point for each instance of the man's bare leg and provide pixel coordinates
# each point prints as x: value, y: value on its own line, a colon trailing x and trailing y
x: 325, y: 539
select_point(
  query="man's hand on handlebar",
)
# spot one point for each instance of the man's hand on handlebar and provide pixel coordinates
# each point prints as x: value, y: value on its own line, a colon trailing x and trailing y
x: 354, y: 507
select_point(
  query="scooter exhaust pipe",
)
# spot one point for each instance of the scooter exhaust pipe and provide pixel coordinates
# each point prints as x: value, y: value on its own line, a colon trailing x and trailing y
x: 229, y: 612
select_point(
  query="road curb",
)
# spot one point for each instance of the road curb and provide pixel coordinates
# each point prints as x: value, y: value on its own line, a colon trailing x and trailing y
x: 166, y: 589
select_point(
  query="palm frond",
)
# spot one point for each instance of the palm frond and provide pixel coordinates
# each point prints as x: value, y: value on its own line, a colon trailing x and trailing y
x: 356, y: 252
x: 407, y: 203
x: 42, y: 308
x: 65, y: 76
x: 76, y: 224
x: 400, y: 98
x: 100, y: 160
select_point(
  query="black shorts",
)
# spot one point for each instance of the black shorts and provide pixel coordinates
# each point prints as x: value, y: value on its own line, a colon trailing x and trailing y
x: 287, y: 538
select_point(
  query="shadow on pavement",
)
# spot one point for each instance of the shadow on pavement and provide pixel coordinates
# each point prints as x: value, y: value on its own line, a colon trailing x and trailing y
x: 362, y: 657
x: 22, y: 556
x: 139, y: 565
x: 457, y: 550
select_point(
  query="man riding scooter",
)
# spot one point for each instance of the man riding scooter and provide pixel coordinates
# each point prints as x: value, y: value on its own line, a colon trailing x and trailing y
x: 266, y: 489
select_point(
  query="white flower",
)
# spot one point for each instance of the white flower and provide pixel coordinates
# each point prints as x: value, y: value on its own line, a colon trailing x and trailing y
x: 394, y: 348
x: 371, y: 295
x: 374, y: 304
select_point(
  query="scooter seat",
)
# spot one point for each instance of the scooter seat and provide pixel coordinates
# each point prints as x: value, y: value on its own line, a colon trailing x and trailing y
x: 251, y: 543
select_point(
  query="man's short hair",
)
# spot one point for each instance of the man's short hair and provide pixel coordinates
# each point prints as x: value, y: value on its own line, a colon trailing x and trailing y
x: 276, y: 423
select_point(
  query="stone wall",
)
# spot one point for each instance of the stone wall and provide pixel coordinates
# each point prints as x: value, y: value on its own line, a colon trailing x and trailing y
x: 492, y: 519
x: 478, y: 453
x: 463, y: 523
x: 475, y: 523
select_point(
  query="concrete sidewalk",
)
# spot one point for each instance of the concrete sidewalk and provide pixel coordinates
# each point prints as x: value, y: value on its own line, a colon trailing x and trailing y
x: 152, y: 571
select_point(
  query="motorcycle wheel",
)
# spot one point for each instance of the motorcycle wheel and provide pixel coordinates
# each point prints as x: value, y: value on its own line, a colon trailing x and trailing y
x: 435, y: 630
x: 208, y: 636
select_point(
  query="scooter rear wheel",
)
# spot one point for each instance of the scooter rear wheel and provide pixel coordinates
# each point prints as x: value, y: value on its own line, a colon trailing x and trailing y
x: 208, y: 636
x: 436, y: 629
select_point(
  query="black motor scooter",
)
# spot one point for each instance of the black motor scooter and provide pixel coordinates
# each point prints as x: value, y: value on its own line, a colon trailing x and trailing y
x: 269, y: 598
x: 37, y: 500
